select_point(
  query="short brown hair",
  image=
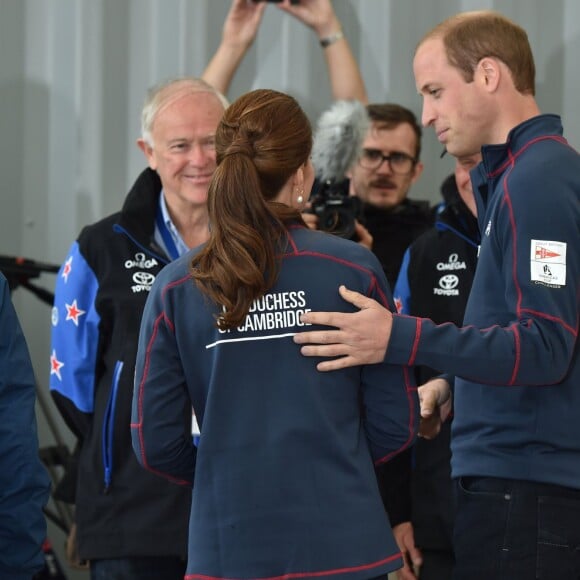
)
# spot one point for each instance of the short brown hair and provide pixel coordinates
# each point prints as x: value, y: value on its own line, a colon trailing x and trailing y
x: 390, y: 115
x: 470, y: 36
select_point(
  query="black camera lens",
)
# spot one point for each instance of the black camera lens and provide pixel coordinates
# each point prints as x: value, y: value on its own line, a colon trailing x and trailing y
x: 337, y: 211
x: 337, y: 222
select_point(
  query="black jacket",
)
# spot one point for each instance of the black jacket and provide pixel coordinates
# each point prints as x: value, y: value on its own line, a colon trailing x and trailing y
x: 121, y: 509
x: 394, y: 230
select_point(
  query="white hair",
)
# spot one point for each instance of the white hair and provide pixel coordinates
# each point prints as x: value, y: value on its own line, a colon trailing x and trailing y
x: 163, y: 93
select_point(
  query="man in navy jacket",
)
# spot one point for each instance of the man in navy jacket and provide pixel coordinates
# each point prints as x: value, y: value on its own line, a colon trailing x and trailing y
x: 516, y: 434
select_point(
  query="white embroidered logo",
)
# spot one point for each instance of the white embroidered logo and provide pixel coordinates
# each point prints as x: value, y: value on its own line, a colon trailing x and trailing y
x: 447, y: 286
x: 453, y: 263
x: 141, y: 261
x: 143, y: 281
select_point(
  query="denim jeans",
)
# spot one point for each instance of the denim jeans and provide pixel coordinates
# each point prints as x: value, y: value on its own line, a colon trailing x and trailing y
x: 516, y: 530
x: 142, y: 568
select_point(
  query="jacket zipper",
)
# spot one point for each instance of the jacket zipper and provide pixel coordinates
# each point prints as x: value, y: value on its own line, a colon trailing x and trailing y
x: 109, y: 418
x: 109, y: 427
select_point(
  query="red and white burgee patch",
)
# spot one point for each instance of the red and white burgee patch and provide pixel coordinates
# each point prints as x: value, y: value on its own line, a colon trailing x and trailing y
x: 548, y: 262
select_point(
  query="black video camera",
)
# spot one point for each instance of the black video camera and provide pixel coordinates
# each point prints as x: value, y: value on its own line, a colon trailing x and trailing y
x: 337, y: 211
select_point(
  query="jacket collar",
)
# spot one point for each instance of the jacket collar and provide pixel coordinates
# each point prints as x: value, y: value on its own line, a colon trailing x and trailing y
x: 497, y: 158
x: 141, y: 205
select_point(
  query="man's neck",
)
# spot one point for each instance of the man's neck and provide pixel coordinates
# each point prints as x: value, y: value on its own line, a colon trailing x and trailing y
x: 191, y: 221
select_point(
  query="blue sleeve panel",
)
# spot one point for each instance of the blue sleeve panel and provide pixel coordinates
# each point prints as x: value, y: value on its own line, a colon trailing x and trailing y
x: 75, y: 338
x: 24, y: 483
x: 402, y: 291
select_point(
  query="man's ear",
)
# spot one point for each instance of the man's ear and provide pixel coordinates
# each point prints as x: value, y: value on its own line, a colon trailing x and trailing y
x: 489, y: 72
x: 417, y: 170
x: 148, y: 152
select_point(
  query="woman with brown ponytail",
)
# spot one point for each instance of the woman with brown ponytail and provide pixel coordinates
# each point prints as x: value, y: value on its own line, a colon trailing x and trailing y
x: 283, y: 477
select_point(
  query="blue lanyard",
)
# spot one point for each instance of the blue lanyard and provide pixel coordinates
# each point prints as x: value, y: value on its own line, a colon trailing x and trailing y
x: 166, y: 235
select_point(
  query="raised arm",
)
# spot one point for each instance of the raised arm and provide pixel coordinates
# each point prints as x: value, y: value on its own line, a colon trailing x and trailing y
x: 345, y: 77
x: 239, y: 31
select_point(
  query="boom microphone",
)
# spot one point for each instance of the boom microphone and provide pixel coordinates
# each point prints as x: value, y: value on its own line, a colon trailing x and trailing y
x: 337, y: 145
x: 338, y: 139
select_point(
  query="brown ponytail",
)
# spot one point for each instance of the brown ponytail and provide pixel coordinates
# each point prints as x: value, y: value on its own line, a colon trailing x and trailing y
x: 263, y: 138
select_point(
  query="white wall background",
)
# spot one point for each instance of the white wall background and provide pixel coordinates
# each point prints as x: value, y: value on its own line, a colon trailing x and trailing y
x: 73, y: 74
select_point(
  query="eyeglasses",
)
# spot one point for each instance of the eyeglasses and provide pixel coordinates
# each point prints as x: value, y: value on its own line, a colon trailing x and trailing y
x: 400, y: 163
